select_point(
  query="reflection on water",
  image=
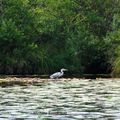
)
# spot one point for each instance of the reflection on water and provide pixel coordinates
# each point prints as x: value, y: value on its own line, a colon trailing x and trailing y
x: 62, y: 100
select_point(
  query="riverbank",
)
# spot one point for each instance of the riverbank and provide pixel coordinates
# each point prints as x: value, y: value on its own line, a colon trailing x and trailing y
x: 10, y: 81
x: 88, y: 76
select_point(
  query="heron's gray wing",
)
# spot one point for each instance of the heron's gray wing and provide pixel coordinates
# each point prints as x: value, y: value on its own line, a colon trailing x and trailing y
x: 56, y: 75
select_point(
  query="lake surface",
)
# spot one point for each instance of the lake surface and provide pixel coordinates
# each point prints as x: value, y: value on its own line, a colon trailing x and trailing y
x: 73, y: 99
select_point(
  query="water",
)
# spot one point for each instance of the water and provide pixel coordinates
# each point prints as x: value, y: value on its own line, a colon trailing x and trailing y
x: 62, y: 100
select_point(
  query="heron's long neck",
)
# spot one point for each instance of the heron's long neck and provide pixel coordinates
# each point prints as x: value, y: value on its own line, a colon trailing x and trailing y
x: 62, y: 72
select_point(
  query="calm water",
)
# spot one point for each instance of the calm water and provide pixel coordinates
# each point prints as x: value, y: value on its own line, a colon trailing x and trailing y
x: 62, y: 100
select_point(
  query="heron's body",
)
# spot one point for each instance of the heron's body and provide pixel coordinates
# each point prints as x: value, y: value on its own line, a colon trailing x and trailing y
x: 58, y: 74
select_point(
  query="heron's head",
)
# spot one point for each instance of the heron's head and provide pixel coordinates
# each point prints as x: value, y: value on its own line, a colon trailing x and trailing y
x: 63, y: 70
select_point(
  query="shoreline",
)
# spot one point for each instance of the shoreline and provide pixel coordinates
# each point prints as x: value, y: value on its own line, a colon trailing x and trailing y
x: 23, y: 81
x: 66, y: 76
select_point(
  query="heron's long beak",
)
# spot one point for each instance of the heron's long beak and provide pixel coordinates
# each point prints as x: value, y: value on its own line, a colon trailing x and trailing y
x: 66, y: 69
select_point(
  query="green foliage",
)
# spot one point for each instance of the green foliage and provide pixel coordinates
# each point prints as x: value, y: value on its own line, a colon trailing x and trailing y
x: 18, y: 55
x: 114, y: 51
x: 113, y: 44
x: 40, y: 36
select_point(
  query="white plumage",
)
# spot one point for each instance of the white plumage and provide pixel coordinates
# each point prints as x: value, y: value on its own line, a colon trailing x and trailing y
x: 58, y: 74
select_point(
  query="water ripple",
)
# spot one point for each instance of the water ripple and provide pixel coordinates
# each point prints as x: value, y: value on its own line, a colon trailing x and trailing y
x: 62, y: 100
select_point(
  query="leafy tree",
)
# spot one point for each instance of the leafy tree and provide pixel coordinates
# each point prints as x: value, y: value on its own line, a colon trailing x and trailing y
x: 40, y: 36
x: 113, y: 43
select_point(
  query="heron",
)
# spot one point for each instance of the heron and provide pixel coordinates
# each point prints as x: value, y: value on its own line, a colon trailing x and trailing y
x: 58, y: 74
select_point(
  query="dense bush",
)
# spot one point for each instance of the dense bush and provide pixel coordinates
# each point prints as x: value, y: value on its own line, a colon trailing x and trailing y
x: 113, y: 43
x: 41, y: 36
